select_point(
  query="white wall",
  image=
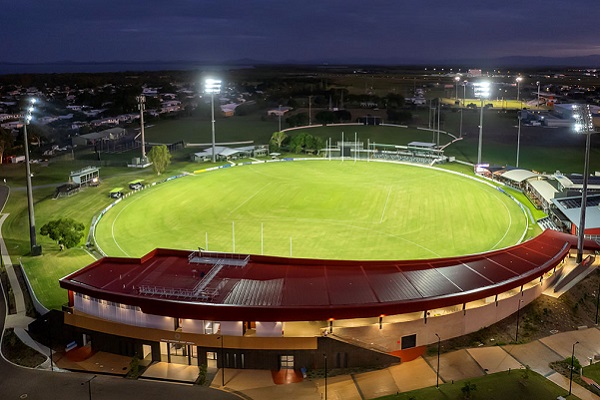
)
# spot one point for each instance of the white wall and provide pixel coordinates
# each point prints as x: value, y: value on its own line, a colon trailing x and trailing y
x: 269, y: 329
x: 193, y: 326
x: 232, y: 328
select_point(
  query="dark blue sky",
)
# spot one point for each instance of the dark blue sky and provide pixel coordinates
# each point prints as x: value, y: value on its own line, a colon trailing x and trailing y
x: 269, y: 30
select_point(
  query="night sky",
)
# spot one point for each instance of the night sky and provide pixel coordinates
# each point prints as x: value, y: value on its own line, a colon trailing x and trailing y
x: 291, y: 30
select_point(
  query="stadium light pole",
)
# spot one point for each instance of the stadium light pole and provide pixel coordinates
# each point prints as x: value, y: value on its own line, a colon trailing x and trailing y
x: 538, y: 96
x: 212, y: 87
x: 572, y: 363
x: 27, y: 117
x: 141, y: 99
x: 482, y: 90
x: 519, y: 79
x: 583, y: 125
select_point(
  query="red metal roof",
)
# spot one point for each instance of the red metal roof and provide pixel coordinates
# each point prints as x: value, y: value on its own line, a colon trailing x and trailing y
x: 220, y: 286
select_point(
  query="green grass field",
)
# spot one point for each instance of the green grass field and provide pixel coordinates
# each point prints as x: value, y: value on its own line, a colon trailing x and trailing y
x: 501, y: 385
x: 317, y: 209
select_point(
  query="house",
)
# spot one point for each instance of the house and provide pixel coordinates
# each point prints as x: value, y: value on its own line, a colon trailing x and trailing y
x: 92, y: 138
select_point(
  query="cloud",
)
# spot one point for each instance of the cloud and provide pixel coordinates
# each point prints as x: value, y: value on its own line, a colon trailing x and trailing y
x: 275, y: 30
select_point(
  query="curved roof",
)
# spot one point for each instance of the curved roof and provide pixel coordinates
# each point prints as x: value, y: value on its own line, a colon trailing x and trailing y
x: 234, y: 287
x: 519, y: 175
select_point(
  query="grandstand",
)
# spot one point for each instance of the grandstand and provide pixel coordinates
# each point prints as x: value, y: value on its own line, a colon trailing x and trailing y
x: 268, y: 306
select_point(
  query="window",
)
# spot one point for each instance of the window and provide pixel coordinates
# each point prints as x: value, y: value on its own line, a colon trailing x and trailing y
x: 286, y: 362
x: 409, y: 341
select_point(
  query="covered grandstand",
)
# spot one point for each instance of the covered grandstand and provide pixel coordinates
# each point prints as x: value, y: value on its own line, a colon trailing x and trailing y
x: 268, y: 306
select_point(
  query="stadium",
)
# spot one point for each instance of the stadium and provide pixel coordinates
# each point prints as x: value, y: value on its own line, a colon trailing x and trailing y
x: 256, y: 306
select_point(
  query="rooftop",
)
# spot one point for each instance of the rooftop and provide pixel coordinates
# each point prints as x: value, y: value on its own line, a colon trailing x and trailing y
x: 205, y: 285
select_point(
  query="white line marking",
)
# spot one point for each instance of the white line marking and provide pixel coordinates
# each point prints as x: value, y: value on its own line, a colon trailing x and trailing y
x: 385, y: 204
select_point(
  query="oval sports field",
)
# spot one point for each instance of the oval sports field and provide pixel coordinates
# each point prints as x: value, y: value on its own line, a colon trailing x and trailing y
x: 316, y: 209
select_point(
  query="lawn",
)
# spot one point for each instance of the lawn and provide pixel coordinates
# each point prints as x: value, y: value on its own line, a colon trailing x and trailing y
x: 498, y: 386
x: 318, y: 209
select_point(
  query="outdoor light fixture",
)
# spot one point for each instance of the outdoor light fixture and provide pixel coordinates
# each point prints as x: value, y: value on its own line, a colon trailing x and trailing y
x: 142, y: 107
x: 456, y: 80
x: 27, y: 117
x: 482, y: 91
x: 212, y: 87
x: 572, y: 362
x: 519, y: 79
x: 437, y: 373
x: 583, y: 125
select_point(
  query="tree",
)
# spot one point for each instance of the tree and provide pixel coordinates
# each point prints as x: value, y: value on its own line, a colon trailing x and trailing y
x: 66, y: 231
x: 277, y: 139
x: 6, y: 142
x: 468, y: 390
x: 325, y: 117
x: 160, y: 158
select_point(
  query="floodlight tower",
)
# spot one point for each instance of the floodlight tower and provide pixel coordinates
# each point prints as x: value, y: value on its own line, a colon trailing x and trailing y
x: 583, y: 125
x: 212, y: 87
x: 142, y: 107
x: 519, y: 79
x: 27, y: 117
x: 482, y: 90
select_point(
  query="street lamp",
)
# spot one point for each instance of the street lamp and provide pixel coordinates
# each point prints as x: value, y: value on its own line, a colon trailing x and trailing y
x: 437, y: 377
x: 212, y: 87
x: 462, y: 108
x: 89, y: 382
x: 279, y: 114
x: 519, y: 79
x: 27, y: 117
x: 572, y: 359
x: 538, y: 97
x: 583, y: 125
x: 142, y: 107
x: 456, y: 80
x: 47, y: 321
x: 482, y: 91
x: 518, y: 310
x: 325, y: 365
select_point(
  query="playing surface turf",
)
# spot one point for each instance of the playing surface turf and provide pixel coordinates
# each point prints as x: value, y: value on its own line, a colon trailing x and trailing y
x: 316, y: 209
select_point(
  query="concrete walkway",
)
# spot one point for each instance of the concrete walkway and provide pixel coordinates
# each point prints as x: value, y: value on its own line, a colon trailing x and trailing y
x: 20, y: 320
x: 421, y: 373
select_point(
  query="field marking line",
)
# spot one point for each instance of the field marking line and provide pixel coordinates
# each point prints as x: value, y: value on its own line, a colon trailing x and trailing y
x: 508, y: 228
x: 385, y: 205
x: 112, y: 228
x: 250, y: 198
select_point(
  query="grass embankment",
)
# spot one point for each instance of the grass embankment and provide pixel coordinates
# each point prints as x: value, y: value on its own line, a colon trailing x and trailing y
x: 501, y: 385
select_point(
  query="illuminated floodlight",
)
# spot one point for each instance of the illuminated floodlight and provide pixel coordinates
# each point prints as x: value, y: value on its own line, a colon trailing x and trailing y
x: 212, y: 86
x: 481, y: 89
x: 582, y: 115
